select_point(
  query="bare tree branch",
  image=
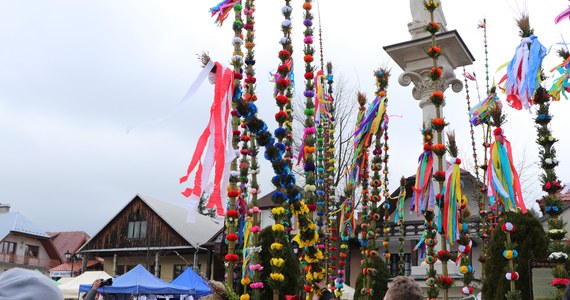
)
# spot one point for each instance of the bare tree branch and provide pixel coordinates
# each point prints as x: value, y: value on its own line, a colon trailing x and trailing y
x: 345, y: 110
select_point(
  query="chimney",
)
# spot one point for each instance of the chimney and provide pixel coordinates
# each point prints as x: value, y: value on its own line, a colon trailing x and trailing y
x: 4, y: 208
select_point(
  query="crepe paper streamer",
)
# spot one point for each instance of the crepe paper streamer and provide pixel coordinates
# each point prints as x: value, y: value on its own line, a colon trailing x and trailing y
x: 189, y: 94
x: 562, y: 15
x: 469, y: 76
x: 347, y: 222
x: 248, y: 258
x: 424, y: 198
x: 421, y: 241
x: 222, y: 10
x: 355, y: 170
x: 452, y: 195
x: 400, y: 205
x: 368, y: 126
x: 321, y: 102
x: 561, y: 85
x: 480, y: 113
x: 212, y: 152
x: 502, y: 178
x: 439, y: 217
x: 523, y: 73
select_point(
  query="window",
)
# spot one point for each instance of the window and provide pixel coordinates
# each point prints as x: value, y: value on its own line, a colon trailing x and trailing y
x: 177, y: 270
x: 394, y: 260
x: 8, y: 247
x: 32, y: 251
x: 137, y: 230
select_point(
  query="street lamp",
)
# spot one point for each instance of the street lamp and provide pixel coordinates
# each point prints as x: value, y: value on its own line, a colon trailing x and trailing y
x: 69, y: 257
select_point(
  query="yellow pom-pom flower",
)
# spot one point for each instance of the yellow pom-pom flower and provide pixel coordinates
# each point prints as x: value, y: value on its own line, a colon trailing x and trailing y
x: 277, y: 262
x: 244, y: 297
x: 303, y: 209
x: 277, y: 211
x: 277, y: 276
x: 245, y: 281
x: 278, y: 228
x: 312, y: 226
x: 276, y: 246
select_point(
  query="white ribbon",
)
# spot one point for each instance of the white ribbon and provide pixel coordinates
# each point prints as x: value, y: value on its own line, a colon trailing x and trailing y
x: 189, y: 94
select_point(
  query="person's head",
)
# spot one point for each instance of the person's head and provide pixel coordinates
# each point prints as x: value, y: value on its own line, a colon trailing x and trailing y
x: 22, y: 284
x: 404, y: 288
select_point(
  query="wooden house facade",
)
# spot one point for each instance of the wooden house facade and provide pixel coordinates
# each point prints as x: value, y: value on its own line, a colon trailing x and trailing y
x: 156, y: 234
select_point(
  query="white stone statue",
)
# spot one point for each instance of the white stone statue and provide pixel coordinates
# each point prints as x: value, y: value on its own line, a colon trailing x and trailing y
x: 420, y: 17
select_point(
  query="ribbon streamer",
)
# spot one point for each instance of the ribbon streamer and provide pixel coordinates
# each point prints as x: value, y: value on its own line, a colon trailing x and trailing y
x: 502, y: 178
x: 321, y: 101
x: 452, y: 195
x: 248, y: 258
x: 215, y: 139
x: 400, y: 205
x: 561, y: 85
x: 480, y: 113
x: 222, y: 10
x: 424, y: 198
x: 370, y: 123
x: 562, y: 15
x: 194, y: 87
x: 523, y: 73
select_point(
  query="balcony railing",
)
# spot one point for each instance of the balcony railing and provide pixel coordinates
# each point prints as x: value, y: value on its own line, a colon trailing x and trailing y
x: 416, y: 228
x: 26, y: 260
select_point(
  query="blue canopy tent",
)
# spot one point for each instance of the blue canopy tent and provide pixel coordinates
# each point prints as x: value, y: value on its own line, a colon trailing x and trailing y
x: 190, y: 279
x: 139, y: 281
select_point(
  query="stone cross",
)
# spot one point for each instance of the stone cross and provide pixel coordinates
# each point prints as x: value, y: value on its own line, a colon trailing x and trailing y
x: 420, y: 17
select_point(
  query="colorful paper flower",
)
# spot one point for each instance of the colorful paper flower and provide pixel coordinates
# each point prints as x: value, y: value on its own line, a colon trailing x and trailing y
x: 231, y: 257
x: 560, y: 282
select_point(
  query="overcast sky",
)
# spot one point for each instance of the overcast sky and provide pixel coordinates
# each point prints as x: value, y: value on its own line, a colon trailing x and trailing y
x: 74, y: 74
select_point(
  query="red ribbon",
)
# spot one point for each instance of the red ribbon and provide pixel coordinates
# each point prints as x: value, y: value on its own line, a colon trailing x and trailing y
x: 215, y: 134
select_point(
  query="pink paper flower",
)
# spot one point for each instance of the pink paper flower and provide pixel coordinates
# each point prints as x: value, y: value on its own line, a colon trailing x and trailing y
x: 255, y: 229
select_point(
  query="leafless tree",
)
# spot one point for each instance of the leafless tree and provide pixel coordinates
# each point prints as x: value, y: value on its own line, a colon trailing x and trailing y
x: 345, y: 110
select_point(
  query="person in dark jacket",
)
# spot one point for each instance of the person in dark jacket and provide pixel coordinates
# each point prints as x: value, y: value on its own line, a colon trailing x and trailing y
x: 325, y: 293
x: 93, y: 291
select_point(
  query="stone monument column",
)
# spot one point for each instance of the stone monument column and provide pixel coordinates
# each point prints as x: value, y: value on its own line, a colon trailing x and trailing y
x: 420, y: 17
x: 423, y: 88
x: 412, y: 58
